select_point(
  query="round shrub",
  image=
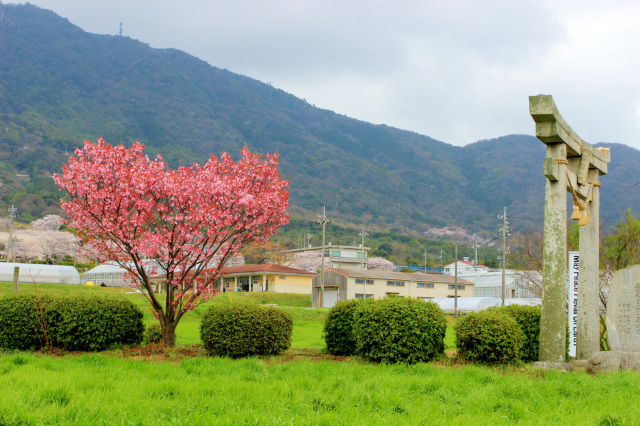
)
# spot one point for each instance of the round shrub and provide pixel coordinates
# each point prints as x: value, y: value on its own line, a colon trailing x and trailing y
x: 488, y: 337
x: 23, y: 321
x: 528, y: 318
x: 245, y: 330
x: 73, y: 323
x: 399, y: 330
x: 94, y: 323
x: 338, y: 328
x: 153, y: 333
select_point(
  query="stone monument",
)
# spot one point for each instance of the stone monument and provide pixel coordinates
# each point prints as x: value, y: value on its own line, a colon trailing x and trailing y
x: 573, y: 165
x: 623, y: 310
x: 623, y: 324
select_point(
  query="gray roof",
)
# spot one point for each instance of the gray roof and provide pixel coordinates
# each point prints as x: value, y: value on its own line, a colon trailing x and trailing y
x: 494, y: 279
x: 402, y: 276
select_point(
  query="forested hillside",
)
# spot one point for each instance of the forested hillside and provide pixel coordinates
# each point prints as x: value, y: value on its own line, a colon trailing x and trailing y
x: 60, y: 85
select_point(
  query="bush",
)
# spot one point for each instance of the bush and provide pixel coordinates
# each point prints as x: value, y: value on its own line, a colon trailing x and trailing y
x: 528, y: 318
x: 395, y: 330
x: 245, y: 330
x: 153, y: 333
x: 23, y: 320
x: 489, y: 337
x: 95, y: 323
x: 338, y: 328
x: 72, y: 323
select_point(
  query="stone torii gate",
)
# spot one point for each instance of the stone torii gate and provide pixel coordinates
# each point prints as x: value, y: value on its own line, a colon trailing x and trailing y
x: 571, y: 165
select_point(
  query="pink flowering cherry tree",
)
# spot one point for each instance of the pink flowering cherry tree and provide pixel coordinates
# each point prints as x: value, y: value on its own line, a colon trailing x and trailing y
x: 189, y: 222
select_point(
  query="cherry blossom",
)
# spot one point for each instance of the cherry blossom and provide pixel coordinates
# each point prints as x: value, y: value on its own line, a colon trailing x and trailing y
x: 190, y: 221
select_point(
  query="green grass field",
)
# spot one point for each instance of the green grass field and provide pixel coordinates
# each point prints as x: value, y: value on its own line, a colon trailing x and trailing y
x: 304, y: 386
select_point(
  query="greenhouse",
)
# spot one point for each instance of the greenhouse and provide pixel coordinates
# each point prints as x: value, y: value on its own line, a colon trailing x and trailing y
x: 36, y: 273
x: 112, y: 275
x: 475, y: 304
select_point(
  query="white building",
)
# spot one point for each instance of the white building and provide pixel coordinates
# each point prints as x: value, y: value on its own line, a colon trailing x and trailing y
x: 350, y: 257
x: 518, y: 284
x: 465, y: 267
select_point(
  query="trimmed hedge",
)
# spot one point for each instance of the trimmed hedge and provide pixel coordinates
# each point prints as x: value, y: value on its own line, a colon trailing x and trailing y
x: 244, y: 330
x: 488, y: 337
x: 19, y: 321
x: 528, y: 318
x: 338, y: 328
x: 399, y: 330
x: 74, y: 323
x: 93, y: 323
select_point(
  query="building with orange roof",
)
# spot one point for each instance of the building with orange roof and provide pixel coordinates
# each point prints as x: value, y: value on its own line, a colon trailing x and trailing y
x: 265, y: 277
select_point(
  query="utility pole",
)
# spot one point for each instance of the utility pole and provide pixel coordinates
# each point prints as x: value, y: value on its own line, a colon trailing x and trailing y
x: 505, y: 231
x: 363, y: 234
x: 307, y: 240
x: 364, y: 259
x: 425, y: 260
x: 322, y: 221
x: 441, y: 260
x: 455, y: 298
x: 12, y: 215
x: 475, y: 247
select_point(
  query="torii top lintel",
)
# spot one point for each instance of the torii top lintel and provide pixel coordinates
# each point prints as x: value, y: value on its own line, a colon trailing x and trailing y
x: 551, y: 128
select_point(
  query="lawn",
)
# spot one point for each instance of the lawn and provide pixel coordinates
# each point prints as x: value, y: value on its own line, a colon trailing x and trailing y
x: 105, y: 389
x: 303, y: 386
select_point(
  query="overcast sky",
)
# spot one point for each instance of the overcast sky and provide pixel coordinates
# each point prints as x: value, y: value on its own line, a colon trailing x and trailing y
x: 458, y: 71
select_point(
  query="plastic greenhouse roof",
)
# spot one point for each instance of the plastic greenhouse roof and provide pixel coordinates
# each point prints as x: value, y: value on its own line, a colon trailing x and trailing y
x: 475, y: 304
x: 467, y: 304
x: 31, y: 272
x: 112, y: 267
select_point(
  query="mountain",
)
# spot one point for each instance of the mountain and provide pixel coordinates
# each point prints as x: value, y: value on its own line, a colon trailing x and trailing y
x: 60, y: 85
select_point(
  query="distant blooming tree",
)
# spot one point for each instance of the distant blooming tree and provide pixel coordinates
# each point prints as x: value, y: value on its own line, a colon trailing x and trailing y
x: 190, y: 221
x: 380, y: 264
x: 50, y: 222
x: 309, y: 261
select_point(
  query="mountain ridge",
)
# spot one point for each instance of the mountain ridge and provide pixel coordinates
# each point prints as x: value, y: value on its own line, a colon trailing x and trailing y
x: 60, y: 85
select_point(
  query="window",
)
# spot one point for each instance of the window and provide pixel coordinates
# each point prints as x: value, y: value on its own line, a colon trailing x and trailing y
x: 426, y: 285
x: 335, y: 253
x: 360, y: 255
x: 369, y: 281
x: 364, y: 296
x: 396, y: 283
x: 282, y: 277
x: 359, y: 281
x: 453, y: 287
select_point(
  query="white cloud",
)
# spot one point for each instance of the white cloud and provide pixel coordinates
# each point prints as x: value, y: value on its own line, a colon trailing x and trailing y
x: 458, y: 70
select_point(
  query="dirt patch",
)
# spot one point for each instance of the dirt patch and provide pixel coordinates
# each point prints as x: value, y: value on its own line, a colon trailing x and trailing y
x: 156, y: 352
x: 301, y: 355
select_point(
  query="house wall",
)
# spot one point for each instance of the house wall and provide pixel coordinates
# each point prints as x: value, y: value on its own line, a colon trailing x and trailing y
x: 273, y: 283
x: 333, y: 281
x: 290, y: 284
x: 382, y: 288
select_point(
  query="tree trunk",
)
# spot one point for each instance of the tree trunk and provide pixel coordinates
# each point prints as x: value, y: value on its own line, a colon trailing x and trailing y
x: 168, y: 334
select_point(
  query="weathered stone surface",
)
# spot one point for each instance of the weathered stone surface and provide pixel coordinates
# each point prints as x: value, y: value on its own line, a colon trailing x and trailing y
x: 623, y: 310
x: 571, y: 164
x: 579, y: 364
x: 613, y: 361
x: 562, y: 366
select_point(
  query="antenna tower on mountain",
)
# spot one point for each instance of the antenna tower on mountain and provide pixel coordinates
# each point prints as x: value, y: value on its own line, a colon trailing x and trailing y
x: 120, y: 33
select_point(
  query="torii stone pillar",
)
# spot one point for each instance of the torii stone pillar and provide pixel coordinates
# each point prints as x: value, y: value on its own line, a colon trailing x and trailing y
x: 571, y: 165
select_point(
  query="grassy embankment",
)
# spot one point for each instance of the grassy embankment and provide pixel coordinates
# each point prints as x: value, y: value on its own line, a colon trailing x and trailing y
x: 110, y: 389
